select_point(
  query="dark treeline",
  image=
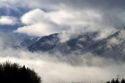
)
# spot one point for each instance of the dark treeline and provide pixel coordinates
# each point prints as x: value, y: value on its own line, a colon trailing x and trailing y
x: 13, y: 73
x: 116, y: 81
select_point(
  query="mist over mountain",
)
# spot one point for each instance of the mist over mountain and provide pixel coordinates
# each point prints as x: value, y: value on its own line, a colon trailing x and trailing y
x: 111, y: 46
x: 65, y: 41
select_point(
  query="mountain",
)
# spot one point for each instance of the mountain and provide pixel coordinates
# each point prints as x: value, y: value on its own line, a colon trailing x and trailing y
x: 52, y: 43
x: 111, y: 46
x: 45, y: 43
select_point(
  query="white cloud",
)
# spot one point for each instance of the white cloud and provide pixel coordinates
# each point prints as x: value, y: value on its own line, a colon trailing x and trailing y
x: 70, y: 23
x: 70, y: 17
x: 61, y: 17
x: 38, y: 29
x: 7, y: 20
x: 57, y: 21
x: 33, y: 16
x: 37, y: 23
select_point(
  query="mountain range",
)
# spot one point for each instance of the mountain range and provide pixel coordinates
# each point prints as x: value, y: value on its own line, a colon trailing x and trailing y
x: 112, y: 46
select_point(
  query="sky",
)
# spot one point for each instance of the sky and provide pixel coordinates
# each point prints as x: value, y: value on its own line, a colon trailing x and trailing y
x: 69, y: 18
x: 45, y: 17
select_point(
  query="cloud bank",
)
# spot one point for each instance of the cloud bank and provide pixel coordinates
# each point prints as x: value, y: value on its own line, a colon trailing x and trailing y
x: 38, y: 23
x: 69, y: 15
x: 58, y: 68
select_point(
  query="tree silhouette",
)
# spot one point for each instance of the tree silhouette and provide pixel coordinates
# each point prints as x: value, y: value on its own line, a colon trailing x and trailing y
x: 116, y: 81
x: 108, y: 82
x: 123, y: 81
x: 113, y: 81
x: 13, y: 73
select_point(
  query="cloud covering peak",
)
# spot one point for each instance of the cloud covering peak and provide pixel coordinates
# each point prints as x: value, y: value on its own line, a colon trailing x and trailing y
x: 69, y: 18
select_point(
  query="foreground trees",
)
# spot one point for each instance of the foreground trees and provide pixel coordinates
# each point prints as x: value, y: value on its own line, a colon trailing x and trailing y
x: 13, y: 73
x: 116, y: 81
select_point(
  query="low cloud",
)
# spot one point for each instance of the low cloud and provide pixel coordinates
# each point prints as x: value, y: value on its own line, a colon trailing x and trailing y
x: 38, y: 29
x: 8, y: 20
x: 54, y: 70
x: 40, y: 23
x: 68, y: 69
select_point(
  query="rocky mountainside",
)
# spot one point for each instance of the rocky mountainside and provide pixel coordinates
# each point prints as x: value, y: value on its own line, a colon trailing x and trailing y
x: 111, y: 46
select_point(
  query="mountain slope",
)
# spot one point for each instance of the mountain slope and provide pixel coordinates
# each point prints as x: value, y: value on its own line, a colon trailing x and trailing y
x: 81, y: 44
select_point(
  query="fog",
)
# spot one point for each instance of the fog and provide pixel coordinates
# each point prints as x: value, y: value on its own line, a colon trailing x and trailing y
x: 84, y: 68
